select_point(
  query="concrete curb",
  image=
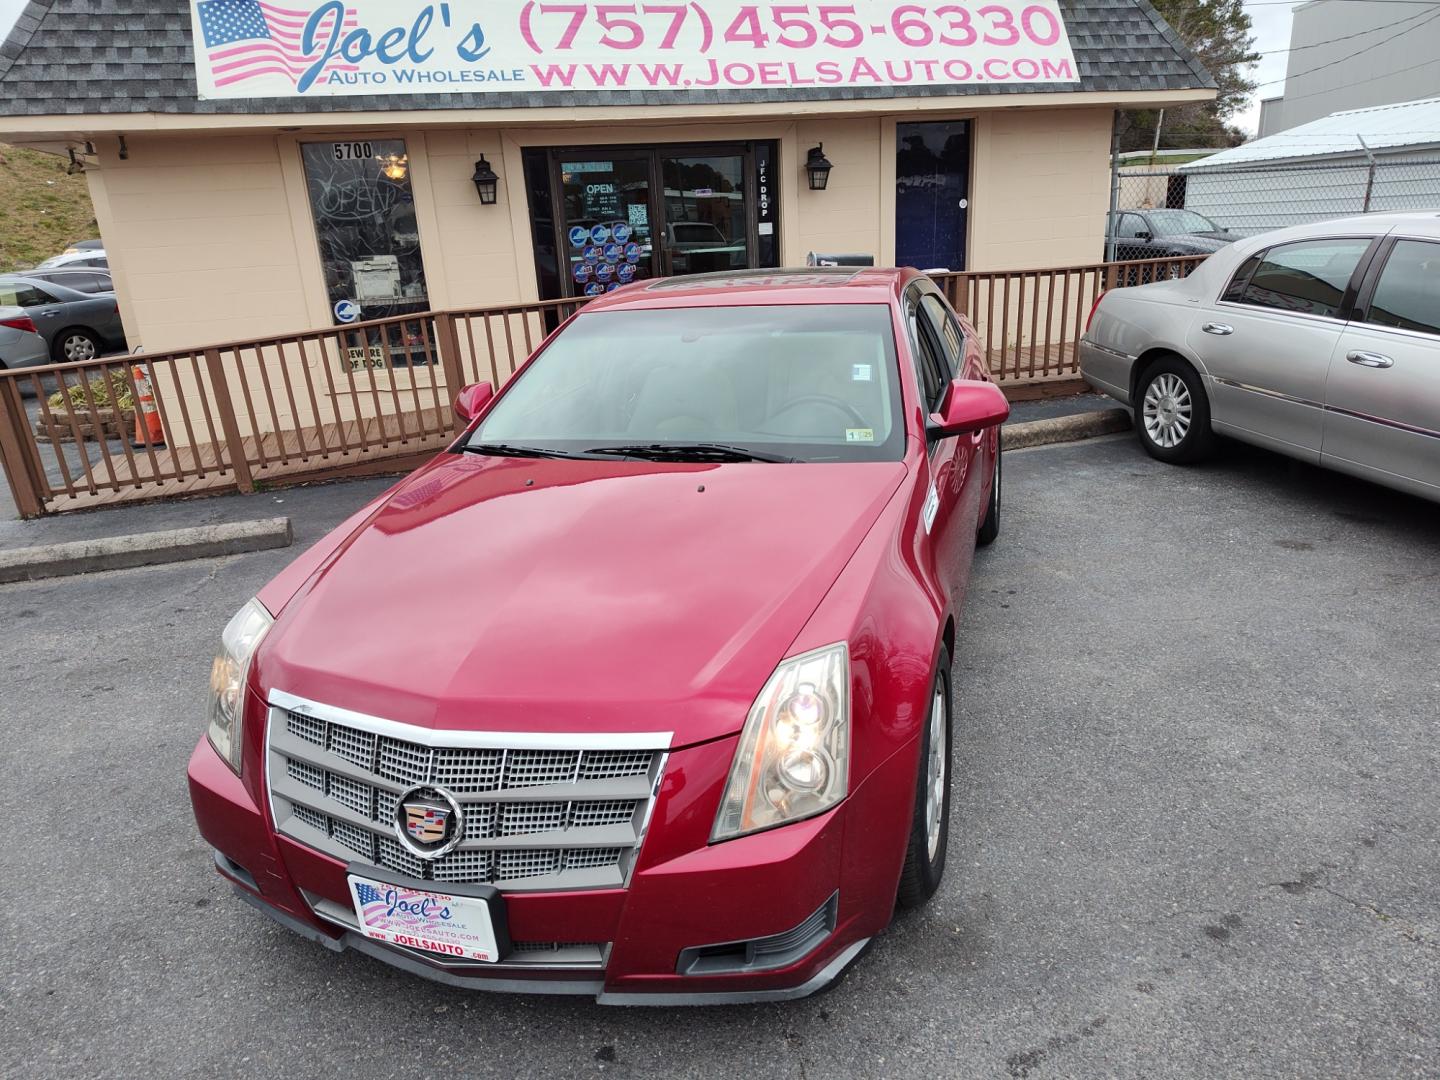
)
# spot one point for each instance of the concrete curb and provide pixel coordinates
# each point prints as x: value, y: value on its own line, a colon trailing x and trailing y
x: 1060, y: 429
x: 144, y: 549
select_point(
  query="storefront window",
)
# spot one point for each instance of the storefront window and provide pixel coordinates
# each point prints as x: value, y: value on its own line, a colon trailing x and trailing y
x: 364, y: 211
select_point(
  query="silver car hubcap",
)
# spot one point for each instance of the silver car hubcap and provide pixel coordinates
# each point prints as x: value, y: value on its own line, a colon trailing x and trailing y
x: 79, y: 348
x: 935, y: 768
x: 1166, y: 410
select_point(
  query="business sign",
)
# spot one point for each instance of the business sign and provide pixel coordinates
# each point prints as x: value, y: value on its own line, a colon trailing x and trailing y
x: 305, y: 48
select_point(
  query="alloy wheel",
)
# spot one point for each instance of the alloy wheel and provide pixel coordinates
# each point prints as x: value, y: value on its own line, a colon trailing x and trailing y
x: 935, y: 769
x: 78, y: 347
x: 1166, y: 411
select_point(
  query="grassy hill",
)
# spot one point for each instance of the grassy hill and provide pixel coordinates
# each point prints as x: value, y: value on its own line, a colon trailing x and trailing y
x: 42, y: 211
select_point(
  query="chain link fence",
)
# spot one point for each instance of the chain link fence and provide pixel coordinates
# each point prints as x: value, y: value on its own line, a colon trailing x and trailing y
x: 1244, y: 201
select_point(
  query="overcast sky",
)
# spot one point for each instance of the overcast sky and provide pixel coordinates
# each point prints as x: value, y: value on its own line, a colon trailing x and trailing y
x: 1272, y: 32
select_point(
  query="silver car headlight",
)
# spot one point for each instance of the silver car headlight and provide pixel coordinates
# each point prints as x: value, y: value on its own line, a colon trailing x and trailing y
x: 227, y: 679
x: 793, y: 760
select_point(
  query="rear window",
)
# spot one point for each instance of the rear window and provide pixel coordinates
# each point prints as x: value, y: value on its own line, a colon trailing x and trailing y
x: 1309, y: 277
x: 813, y: 382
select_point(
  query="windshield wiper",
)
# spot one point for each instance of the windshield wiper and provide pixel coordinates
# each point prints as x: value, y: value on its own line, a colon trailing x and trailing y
x: 689, y: 452
x: 512, y: 450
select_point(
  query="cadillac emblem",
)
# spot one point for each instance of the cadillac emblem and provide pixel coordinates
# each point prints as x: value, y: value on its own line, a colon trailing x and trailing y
x: 429, y: 822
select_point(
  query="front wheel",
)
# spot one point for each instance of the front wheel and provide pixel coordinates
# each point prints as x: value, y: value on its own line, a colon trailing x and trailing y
x: 930, y: 826
x: 1172, y: 414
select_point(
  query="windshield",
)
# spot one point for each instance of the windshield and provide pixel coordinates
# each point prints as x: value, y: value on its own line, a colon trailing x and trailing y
x: 1181, y: 222
x: 805, y: 382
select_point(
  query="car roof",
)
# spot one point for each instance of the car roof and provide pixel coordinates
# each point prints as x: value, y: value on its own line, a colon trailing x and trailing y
x: 1415, y: 223
x: 782, y: 285
x: 26, y: 279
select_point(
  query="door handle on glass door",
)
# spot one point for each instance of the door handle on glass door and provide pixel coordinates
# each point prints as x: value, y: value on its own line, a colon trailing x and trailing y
x: 1219, y: 329
x: 1370, y: 359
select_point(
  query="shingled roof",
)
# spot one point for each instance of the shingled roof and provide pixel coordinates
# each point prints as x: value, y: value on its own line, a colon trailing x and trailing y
x: 71, y: 57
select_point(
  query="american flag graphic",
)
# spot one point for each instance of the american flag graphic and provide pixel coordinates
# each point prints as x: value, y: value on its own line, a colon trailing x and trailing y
x: 370, y: 897
x: 248, y: 38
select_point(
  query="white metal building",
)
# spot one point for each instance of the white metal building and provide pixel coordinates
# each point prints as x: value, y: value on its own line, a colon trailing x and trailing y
x: 1384, y: 158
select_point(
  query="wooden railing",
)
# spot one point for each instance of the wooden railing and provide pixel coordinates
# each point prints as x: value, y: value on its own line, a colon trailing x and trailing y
x: 376, y: 397
x: 1029, y: 321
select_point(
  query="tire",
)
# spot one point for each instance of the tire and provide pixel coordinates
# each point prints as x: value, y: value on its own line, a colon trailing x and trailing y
x: 74, y: 344
x: 926, y: 847
x: 990, y: 526
x: 1172, y: 413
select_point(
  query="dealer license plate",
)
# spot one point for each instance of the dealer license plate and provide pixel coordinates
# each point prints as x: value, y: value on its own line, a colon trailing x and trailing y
x: 460, y: 927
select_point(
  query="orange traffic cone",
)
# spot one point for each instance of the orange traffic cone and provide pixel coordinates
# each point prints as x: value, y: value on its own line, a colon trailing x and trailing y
x: 148, y: 429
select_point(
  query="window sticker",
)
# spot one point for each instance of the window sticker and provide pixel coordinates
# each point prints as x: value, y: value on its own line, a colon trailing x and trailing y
x: 859, y: 434
x: 932, y: 507
x: 859, y: 372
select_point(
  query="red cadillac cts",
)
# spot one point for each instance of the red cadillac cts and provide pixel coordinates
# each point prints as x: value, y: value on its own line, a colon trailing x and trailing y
x: 642, y: 689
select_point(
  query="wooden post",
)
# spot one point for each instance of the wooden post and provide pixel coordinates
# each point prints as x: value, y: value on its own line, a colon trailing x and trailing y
x: 18, y: 453
x: 220, y: 388
x: 448, y: 342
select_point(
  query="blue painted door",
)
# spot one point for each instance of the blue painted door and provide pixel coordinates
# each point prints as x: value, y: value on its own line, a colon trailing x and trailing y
x: 932, y: 185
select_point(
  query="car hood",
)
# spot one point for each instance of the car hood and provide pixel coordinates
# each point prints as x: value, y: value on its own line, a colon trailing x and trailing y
x: 502, y: 594
x: 1199, y: 243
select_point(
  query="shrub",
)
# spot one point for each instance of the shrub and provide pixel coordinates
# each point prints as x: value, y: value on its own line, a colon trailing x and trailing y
x: 110, y: 391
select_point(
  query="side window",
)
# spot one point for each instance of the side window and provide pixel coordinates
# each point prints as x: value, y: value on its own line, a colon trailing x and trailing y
x: 1236, y: 289
x: 928, y: 364
x: 933, y: 308
x: 1407, y: 296
x: 1309, y: 276
x: 1132, y: 226
x: 20, y: 295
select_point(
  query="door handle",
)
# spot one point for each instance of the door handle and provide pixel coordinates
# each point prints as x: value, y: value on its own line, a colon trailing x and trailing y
x: 1219, y: 329
x: 1370, y: 359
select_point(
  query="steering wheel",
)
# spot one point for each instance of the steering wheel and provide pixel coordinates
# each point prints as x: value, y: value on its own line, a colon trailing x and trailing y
x: 851, y: 413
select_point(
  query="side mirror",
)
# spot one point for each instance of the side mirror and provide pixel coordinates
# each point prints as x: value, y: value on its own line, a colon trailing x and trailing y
x: 969, y: 405
x: 472, y: 399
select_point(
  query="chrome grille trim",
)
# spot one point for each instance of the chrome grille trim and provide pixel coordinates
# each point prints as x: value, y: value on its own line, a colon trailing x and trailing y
x: 539, y: 815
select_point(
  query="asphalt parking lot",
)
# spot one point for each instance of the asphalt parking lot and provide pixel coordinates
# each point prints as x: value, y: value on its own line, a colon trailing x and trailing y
x: 1194, y: 834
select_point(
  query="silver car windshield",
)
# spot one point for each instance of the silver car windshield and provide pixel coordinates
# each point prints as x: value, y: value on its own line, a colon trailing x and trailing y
x: 802, y: 382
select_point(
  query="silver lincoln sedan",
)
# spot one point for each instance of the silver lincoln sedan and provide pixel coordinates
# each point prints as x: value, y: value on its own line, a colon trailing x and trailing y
x: 1320, y: 341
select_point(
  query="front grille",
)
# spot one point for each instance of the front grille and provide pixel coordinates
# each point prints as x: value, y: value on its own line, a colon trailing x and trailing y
x: 534, y: 818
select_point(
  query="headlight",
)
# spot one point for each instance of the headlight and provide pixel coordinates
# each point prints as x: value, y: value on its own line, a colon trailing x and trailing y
x: 793, y: 760
x: 227, y: 679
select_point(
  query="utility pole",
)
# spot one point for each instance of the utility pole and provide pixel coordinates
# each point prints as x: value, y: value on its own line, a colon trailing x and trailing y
x: 1155, y: 147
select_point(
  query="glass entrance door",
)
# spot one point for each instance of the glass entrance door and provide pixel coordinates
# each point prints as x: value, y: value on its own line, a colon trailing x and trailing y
x: 706, y: 226
x: 623, y: 214
x: 606, y: 220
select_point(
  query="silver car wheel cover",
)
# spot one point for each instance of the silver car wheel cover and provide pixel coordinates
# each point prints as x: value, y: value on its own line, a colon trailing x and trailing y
x: 78, y: 347
x: 936, y: 767
x: 1167, y: 410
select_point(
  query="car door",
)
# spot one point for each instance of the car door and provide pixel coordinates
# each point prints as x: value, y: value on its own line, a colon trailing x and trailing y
x: 1382, y: 399
x: 942, y: 352
x: 1132, y: 238
x: 1266, y: 342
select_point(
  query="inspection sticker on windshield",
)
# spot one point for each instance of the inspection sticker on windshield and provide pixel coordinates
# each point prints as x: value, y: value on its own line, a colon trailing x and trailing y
x: 859, y: 434
x: 434, y: 922
x: 932, y: 507
x: 859, y: 372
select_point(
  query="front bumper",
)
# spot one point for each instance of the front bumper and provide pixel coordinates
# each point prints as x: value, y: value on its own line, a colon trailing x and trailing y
x: 684, y: 894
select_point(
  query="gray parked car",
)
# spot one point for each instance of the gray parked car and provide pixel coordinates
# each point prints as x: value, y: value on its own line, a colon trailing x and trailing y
x: 1320, y: 341
x: 20, y: 343
x: 76, y: 325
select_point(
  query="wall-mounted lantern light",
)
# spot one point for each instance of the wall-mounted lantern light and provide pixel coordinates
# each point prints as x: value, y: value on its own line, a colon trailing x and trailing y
x: 486, y: 182
x: 817, y: 168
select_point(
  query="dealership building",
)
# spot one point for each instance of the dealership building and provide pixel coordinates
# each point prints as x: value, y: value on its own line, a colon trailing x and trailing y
x: 263, y: 168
